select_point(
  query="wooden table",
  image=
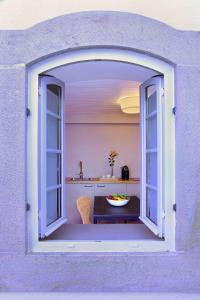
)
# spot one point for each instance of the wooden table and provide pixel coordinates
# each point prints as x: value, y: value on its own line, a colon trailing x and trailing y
x: 103, y: 211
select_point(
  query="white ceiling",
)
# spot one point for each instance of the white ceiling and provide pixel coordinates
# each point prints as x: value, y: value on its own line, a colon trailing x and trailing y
x: 96, y: 86
x: 20, y: 14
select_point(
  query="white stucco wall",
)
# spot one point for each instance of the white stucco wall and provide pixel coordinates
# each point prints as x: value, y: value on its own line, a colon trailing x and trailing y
x: 22, y: 271
x: 181, y: 14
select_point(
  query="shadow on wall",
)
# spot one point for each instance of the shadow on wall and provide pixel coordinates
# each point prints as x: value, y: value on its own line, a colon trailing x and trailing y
x: 194, y: 242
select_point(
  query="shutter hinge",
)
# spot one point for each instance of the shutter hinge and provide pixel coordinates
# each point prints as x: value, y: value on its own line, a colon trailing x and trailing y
x: 162, y: 91
x: 174, y: 110
x: 28, y: 207
x: 163, y: 214
x: 28, y: 112
x: 174, y: 207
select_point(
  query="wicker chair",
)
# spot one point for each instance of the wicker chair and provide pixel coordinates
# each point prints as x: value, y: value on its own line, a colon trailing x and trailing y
x: 84, y: 207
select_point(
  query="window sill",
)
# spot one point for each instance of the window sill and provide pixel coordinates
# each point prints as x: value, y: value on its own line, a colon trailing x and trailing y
x: 102, y: 246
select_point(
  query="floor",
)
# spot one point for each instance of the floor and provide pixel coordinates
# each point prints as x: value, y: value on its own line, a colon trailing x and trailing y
x: 102, y: 232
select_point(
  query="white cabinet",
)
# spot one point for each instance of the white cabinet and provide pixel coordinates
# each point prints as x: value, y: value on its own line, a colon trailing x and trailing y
x: 105, y: 189
x: 133, y: 189
x: 73, y: 191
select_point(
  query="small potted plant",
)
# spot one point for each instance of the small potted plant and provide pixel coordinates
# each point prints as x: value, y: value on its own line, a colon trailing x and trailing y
x: 111, y: 159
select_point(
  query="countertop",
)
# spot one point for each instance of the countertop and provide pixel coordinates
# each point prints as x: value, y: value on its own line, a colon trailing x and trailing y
x: 102, y: 180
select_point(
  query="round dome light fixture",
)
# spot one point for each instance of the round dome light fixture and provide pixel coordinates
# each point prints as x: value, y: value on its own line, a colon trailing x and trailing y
x: 130, y: 105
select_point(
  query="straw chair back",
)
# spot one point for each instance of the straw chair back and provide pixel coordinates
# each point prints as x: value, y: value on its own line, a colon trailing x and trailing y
x: 84, y: 207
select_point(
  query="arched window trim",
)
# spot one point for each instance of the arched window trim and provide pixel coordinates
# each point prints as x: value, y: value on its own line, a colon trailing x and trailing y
x: 76, y: 56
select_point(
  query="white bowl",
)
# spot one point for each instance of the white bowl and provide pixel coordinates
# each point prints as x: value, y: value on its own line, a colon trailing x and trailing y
x: 117, y: 202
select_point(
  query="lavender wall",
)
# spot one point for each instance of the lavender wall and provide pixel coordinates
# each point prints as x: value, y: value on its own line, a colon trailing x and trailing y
x: 92, y: 144
x: 22, y: 271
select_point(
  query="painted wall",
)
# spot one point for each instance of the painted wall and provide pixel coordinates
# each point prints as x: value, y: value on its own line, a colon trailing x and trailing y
x: 92, y: 143
x: 12, y: 17
x: 170, y: 272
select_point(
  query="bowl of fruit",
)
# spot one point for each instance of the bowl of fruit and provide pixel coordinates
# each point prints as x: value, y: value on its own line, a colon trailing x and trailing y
x: 117, y: 199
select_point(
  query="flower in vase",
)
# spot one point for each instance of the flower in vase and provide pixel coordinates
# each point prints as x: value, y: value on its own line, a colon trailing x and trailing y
x: 111, y: 158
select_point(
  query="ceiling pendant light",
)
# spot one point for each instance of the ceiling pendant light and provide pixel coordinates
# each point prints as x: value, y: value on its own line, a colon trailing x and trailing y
x: 130, y: 105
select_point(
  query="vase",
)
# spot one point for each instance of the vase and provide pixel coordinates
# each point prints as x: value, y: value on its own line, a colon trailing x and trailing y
x: 112, y: 171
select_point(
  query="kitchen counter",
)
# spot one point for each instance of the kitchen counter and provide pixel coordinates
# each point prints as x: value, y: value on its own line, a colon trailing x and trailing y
x: 102, y: 180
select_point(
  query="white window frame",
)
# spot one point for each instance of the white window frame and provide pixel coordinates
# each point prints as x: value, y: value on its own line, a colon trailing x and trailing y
x: 157, y: 81
x: 122, y: 55
x: 45, y: 229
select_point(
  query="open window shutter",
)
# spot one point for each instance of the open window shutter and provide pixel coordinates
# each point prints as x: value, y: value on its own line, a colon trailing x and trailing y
x: 51, y: 181
x: 152, y: 161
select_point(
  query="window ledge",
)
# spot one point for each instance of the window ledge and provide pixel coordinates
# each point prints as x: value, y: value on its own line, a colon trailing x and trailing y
x: 102, y: 246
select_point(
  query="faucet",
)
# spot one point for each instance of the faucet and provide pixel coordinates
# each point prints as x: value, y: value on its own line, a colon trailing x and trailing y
x: 81, y: 170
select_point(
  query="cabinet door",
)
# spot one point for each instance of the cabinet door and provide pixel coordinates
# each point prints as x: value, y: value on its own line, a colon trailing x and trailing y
x: 74, y: 191
x: 133, y: 189
x: 102, y: 189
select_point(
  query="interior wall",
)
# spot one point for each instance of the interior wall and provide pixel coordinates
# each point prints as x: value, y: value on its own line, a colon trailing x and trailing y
x: 91, y: 143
